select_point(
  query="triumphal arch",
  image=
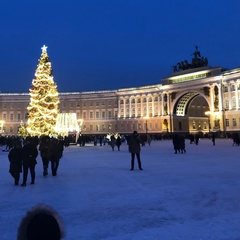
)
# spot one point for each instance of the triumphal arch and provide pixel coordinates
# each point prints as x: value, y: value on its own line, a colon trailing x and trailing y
x: 195, y: 98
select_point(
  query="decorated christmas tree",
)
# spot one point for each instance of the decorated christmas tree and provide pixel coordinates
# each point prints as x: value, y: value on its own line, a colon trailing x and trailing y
x: 22, y: 131
x: 44, y: 100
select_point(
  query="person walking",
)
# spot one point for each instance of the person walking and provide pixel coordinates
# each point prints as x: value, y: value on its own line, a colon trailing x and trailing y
x: 30, y: 154
x: 45, y: 152
x: 118, y: 142
x: 135, y: 148
x: 57, y: 151
x: 112, y: 142
x: 176, y: 143
x: 213, y: 138
x: 15, y: 159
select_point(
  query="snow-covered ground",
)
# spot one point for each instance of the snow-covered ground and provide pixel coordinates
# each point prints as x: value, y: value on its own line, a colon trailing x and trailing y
x: 193, y: 196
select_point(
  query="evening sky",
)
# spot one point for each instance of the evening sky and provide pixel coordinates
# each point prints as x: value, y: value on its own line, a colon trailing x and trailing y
x: 112, y: 44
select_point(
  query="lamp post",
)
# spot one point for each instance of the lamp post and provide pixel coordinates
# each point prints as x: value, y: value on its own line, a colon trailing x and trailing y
x: 208, y: 114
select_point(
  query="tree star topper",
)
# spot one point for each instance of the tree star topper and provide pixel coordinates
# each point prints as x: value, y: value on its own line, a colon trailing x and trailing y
x: 44, y: 48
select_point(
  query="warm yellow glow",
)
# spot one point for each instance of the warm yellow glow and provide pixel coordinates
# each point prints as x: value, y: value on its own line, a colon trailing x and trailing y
x: 208, y: 113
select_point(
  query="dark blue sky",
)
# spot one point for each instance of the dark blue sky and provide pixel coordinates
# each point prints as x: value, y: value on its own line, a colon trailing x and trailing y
x: 111, y: 44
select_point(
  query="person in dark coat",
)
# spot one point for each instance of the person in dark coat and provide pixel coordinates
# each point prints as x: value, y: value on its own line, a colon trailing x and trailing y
x: 57, y: 151
x: 135, y: 148
x: 176, y: 143
x: 15, y: 158
x: 182, y: 144
x: 45, y: 152
x: 112, y: 142
x: 213, y: 138
x: 30, y: 154
x: 118, y: 142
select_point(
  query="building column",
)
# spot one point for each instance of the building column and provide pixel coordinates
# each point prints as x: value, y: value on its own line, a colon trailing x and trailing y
x: 136, y: 110
x: 147, y: 106
x: 159, y: 105
x: 220, y: 106
x: 168, y: 103
x: 212, y: 98
x: 141, y: 106
x: 130, y: 107
x: 124, y: 107
x: 119, y: 108
x: 229, y: 97
x: 236, y: 95
x: 153, y: 108
x: 162, y: 96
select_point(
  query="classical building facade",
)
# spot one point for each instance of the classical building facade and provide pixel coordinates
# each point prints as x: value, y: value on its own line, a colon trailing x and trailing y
x: 203, y: 99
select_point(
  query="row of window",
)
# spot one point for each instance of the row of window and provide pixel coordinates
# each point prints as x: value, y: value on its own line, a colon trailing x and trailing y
x: 11, y: 117
x: 232, y: 88
x: 234, y: 122
x: 133, y: 100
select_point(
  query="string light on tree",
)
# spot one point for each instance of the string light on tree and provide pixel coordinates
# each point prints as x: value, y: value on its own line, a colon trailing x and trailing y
x: 44, y: 100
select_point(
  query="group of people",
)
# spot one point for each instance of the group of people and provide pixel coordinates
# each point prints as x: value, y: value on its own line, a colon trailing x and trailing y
x: 178, y: 143
x: 24, y: 158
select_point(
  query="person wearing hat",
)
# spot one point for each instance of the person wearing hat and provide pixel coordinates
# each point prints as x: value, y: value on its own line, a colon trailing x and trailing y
x: 135, y: 148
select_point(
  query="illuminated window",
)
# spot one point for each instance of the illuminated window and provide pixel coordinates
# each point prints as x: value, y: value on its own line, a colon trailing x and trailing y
x: 227, y: 122
x: 103, y: 115
x: 11, y: 116
x: 226, y: 104
x: 109, y: 114
x: 234, y: 102
x: 234, y: 122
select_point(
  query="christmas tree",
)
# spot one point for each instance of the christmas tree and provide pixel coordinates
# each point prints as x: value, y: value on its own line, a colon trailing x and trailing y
x: 44, y: 100
x: 22, y: 131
